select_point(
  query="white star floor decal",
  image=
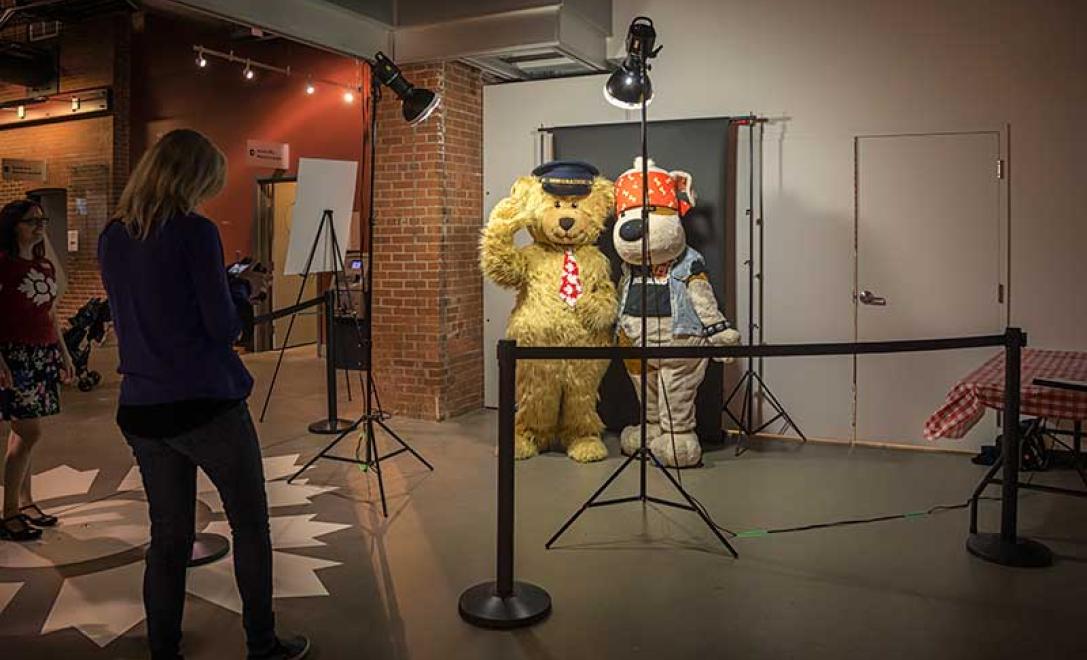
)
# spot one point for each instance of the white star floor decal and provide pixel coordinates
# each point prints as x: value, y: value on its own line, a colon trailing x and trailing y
x: 293, y: 576
x: 7, y: 593
x: 104, y: 605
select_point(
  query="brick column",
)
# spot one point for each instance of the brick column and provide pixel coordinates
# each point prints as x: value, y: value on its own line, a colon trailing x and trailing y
x: 428, y: 291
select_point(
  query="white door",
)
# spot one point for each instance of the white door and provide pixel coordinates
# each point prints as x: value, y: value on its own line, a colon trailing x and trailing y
x: 930, y: 255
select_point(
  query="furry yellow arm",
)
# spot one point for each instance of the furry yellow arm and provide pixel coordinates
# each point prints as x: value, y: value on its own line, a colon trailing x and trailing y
x: 598, y: 306
x: 499, y: 258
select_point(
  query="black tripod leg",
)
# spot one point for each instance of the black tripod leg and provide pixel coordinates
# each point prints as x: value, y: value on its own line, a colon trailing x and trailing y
x: 371, y: 443
x: 740, y: 422
x: 748, y: 415
x: 589, y: 502
x: 694, y: 506
x: 321, y: 454
x: 781, y: 409
x: 406, y: 445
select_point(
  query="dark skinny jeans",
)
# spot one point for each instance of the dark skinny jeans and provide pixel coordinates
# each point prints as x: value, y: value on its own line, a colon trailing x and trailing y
x: 228, y: 451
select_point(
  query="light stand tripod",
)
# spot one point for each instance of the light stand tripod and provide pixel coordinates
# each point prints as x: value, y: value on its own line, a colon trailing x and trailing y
x: 644, y: 455
x: 372, y: 415
x: 752, y: 377
x: 332, y: 424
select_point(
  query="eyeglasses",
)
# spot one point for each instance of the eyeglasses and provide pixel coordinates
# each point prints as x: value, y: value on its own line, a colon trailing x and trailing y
x: 38, y: 222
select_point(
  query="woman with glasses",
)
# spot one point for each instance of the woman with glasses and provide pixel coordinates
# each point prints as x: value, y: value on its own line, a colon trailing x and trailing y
x: 33, y: 359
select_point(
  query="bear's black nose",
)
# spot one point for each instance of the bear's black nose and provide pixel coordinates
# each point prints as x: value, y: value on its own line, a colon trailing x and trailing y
x: 566, y: 223
x: 631, y: 230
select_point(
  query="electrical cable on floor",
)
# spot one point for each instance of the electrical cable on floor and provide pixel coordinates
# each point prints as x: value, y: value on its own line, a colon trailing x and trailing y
x: 909, y: 515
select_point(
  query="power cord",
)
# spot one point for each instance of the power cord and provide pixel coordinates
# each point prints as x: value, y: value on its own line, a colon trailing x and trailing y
x: 909, y: 515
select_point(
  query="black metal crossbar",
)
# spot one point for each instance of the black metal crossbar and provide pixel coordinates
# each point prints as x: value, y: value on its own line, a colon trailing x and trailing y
x: 765, y: 350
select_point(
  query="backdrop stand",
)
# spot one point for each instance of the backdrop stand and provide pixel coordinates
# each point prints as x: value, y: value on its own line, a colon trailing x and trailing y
x: 752, y: 377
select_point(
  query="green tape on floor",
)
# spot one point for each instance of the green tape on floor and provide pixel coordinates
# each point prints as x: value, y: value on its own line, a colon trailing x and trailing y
x: 751, y: 533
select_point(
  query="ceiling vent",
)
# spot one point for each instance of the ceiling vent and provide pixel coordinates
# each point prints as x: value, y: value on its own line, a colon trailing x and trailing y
x: 548, y: 40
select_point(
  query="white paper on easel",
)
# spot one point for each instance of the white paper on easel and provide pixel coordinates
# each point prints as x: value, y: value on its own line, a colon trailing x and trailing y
x: 322, y: 185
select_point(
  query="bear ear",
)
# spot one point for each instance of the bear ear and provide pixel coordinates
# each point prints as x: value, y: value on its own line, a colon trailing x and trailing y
x: 522, y: 187
x: 684, y: 190
x: 604, y: 188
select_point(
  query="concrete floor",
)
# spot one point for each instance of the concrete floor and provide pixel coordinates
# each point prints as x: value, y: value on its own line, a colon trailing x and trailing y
x: 626, y: 582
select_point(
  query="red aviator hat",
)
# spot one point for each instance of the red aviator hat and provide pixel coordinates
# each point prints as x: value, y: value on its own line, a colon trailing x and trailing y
x: 667, y: 190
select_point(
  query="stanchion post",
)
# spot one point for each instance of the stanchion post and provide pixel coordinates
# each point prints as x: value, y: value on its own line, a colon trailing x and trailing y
x: 1009, y: 496
x: 332, y: 425
x: 330, y: 355
x: 507, y: 403
x: 505, y: 603
x: 1007, y: 547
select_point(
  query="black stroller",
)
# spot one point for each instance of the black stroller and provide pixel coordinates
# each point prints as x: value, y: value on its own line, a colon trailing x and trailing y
x: 86, y: 328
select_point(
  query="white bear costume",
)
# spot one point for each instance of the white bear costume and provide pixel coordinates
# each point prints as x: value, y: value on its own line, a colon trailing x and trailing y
x: 680, y: 310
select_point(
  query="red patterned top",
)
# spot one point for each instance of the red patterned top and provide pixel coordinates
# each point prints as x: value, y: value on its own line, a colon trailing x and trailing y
x: 28, y: 289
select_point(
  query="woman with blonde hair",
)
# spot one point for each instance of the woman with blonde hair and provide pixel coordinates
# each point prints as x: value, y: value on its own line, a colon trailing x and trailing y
x: 184, y: 389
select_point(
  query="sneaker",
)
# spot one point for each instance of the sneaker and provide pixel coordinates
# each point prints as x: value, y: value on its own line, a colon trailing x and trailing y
x: 295, y: 647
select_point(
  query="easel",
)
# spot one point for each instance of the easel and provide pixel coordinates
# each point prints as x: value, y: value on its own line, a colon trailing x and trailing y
x: 332, y: 424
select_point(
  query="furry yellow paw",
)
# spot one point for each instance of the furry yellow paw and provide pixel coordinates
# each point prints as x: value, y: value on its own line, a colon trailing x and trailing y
x: 587, y: 450
x: 525, y: 447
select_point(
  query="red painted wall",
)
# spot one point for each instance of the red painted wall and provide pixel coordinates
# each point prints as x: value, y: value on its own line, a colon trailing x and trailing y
x: 169, y: 91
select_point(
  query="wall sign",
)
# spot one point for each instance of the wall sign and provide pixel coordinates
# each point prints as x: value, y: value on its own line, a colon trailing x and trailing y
x: 17, y: 169
x: 260, y: 153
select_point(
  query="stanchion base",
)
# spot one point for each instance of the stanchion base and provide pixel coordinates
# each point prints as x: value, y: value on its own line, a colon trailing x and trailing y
x: 207, y: 548
x: 1024, y: 553
x: 482, y: 606
x: 336, y: 427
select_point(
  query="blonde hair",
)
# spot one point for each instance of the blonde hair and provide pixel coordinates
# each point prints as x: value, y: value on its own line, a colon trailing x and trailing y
x: 173, y: 177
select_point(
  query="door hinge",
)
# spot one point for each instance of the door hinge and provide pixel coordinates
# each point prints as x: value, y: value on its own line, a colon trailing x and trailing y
x: 1000, y: 293
x: 1000, y: 168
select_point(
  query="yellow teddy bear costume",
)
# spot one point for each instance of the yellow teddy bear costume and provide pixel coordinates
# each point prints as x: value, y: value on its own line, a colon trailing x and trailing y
x: 565, y: 297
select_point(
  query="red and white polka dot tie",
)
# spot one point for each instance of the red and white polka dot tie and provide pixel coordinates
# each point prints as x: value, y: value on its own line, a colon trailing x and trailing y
x: 570, y: 285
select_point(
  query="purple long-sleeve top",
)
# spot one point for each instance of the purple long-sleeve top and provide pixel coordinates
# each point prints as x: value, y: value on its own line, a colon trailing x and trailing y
x: 174, y: 313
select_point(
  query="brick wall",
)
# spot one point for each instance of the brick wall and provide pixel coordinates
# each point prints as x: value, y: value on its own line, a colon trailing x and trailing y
x: 86, y: 156
x: 428, y: 291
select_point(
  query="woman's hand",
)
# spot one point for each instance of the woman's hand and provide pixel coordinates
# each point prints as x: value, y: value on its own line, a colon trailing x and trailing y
x: 259, y: 280
x: 6, y: 380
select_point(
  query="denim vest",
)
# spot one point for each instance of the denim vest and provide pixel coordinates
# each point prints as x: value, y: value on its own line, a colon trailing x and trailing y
x: 685, y: 320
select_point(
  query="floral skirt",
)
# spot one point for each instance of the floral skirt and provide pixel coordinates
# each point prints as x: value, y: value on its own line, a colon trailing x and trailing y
x: 36, y: 371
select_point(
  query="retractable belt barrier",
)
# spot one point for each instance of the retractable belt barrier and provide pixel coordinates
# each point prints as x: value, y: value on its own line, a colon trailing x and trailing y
x: 506, y: 603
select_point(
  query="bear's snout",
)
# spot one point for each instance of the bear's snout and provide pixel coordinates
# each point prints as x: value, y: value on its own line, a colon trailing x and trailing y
x: 566, y: 223
x: 631, y: 230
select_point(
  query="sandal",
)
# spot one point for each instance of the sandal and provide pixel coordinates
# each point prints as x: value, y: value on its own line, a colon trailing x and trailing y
x: 40, y: 518
x: 17, y: 528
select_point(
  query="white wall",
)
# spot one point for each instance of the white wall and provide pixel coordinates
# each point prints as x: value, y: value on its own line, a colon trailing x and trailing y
x: 831, y: 69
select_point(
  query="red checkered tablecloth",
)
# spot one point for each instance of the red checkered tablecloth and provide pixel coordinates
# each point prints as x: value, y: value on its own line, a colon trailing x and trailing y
x: 984, y: 388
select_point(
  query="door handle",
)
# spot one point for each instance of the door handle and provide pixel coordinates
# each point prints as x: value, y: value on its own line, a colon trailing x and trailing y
x: 866, y: 297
